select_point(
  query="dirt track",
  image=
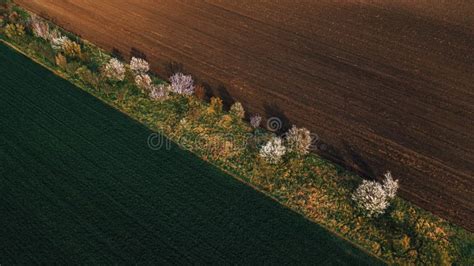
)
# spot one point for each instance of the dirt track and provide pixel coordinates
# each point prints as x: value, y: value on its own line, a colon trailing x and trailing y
x: 385, y: 86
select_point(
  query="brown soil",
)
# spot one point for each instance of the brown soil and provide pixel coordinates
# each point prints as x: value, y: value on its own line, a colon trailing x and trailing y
x: 385, y: 86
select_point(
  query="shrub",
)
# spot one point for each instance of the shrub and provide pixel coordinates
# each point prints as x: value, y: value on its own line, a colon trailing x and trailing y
x: 61, y: 61
x: 139, y: 66
x: 238, y: 110
x: 298, y: 140
x: 72, y: 67
x: 215, y: 106
x: 226, y: 121
x: 72, y: 49
x: 159, y: 92
x: 273, y: 150
x: 371, y: 198
x: 54, y: 33
x: 14, y: 30
x: 40, y: 28
x: 114, y: 70
x: 143, y: 82
x: 58, y: 41
x: 200, y: 92
x: 86, y: 76
x: 182, y: 84
x: 255, y: 121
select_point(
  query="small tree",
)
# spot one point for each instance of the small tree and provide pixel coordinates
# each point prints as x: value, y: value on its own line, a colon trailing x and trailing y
x: 373, y: 197
x: 238, y: 110
x: 215, y: 106
x: 61, y: 61
x: 158, y: 92
x: 40, y: 28
x: 182, y: 84
x: 390, y: 186
x: 114, y: 70
x: 139, y: 66
x: 72, y: 49
x: 273, y: 150
x: 255, y: 121
x: 143, y: 82
x: 57, y: 42
x: 298, y: 140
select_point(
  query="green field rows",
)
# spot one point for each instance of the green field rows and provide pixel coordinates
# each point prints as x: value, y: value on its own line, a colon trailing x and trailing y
x: 78, y: 183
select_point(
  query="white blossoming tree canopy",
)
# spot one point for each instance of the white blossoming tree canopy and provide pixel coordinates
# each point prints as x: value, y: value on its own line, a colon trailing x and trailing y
x: 273, y: 150
x: 374, y: 198
x: 139, y: 66
x: 182, y: 84
x: 114, y: 70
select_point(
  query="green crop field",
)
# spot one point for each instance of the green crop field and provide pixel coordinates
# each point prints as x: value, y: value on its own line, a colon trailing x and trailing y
x: 78, y: 183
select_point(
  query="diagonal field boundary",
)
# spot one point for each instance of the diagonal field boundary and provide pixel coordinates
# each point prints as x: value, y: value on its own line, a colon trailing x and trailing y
x: 79, y: 184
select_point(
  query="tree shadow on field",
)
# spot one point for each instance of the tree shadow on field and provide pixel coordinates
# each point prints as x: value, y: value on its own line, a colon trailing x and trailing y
x: 272, y: 111
x: 117, y: 54
x: 225, y: 96
x: 135, y: 52
x: 173, y: 67
x: 357, y: 159
x: 207, y: 91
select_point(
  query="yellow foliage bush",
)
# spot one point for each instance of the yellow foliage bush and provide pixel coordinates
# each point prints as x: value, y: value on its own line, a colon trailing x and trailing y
x: 61, y: 61
x: 72, y: 49
x: 14, y: 30
x: 226, y: 121
x: 215, y: 106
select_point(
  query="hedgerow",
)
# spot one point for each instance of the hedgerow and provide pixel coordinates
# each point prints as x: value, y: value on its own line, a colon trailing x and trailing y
x: 402, y: 233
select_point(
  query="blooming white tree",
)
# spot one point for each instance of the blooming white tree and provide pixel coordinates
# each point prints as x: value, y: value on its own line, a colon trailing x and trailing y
x: 374, y: 197
x: 371, y: 197
x: 390, y: 186
x: 158, y: 92
x: 40, y: 28
x: 114, y: 70
x: 298, y: 140
x: 255, y: 121
x: 273, y: 150
x: 143, y: 81
x: 238, y: 110
x: 58, y: 42
x: 139, y: 66
x: 182, y: 84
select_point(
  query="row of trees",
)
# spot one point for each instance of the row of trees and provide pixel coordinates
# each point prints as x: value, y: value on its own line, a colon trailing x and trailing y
x: 371, y: 197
